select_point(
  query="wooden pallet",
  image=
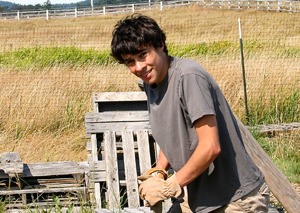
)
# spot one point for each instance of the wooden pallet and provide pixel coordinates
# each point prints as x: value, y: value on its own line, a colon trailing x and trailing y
x: 121, y: 141
x: 39, y: 184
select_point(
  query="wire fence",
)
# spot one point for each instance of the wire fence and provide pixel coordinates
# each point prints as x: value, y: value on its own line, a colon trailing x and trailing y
x: 265, y: 5
x: 62, y: 92
x: 49, y: 70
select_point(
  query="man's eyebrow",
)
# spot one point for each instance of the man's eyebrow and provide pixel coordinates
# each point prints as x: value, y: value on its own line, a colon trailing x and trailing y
x: 126, y: 60
x: 129, y: 58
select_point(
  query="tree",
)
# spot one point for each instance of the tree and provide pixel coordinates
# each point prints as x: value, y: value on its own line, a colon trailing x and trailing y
x: 47, y: 5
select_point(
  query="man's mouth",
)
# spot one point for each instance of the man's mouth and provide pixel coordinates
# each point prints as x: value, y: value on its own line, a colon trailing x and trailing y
x: 144, y: 74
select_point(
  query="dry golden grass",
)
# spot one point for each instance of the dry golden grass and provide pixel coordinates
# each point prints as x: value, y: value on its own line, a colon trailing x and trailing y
x: 42, y: 113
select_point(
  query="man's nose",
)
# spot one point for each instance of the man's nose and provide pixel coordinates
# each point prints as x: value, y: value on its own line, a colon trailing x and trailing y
x: 139, y: 65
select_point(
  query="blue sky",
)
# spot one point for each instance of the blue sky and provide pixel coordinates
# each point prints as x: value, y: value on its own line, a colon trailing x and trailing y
x: 34, y: 2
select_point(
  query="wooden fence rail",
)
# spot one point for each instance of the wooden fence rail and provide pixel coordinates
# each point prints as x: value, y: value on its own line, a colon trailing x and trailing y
x: 266, y: 5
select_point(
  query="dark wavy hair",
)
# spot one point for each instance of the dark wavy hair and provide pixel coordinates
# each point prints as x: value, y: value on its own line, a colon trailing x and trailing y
x: 134, y: 32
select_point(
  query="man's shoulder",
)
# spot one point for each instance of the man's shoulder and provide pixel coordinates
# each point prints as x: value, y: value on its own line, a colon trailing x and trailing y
x: 184, y: 67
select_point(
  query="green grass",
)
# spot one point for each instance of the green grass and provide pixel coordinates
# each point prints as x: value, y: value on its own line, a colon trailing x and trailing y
x: 39, y: 57
x: 280, y: 108
x: 283, y: 149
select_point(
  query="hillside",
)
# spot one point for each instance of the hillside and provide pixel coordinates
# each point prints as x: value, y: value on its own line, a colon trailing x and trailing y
x: 6, y: 4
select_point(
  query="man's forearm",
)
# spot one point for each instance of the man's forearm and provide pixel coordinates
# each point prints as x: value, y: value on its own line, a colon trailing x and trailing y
x: 162, y: 161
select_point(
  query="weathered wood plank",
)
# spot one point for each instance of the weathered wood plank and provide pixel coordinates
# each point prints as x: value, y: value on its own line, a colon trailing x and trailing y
x: 275, y: 128
x: 116, y: 116
x: 50, y: 169
x: 130, y: 169
x: 97, y: 166
x: 113, y: 189
x: 41, y: 190
x: 119, y: 96
x: 11, y: 164
x: 278, y: 183
x: 143, y: 150
x: 97, y: 190
x: 92, y: 128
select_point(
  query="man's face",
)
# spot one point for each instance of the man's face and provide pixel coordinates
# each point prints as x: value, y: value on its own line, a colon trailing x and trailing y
x: 150, y: 64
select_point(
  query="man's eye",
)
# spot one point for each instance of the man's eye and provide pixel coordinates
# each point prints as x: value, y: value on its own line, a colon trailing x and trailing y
x: 143, y: 54
x: 129, y: 63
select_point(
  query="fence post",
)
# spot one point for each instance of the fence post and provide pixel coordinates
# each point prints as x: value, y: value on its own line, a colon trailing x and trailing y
x: 18, y: 15
x: 132, y: 6
x: 291, y: 6
x: 229, y: 6
x: 47, y: 15
x: 104, y: 12
x: 75, y: 12
x: 161, y: 5
x: 243, y: 70
x: 279, y: 6
x: 257, y: 4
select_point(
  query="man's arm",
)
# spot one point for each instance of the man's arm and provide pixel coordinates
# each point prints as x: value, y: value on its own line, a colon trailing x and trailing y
x: 207, y: 150
x: 162, y: 162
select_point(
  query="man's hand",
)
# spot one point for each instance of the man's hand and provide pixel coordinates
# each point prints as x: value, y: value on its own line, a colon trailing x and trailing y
x: 155, y: 189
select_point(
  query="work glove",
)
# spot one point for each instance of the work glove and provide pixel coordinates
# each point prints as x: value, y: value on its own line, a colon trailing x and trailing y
x: 155, y: 189
x: 161, y: 173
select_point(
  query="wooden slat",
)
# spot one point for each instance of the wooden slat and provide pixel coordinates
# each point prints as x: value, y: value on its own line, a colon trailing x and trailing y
x: 119, y: 96
x: 130, y: 169
x: 98, y: 177
x: 113, y: 189
x: 143, y: 150
x: 11, y: 164
x: 98, y: 174
x: 97, y: 166
x: 49, y: 169
x: 53, y: 168
x: 278, y: 183
x: 122, y: 126
x: 116, y: 116
x: 137, y: 210
x: 97, y: 190
x: 41, y: 191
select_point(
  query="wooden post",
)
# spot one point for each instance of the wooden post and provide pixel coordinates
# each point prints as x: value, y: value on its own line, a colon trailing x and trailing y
x: 278, y: 183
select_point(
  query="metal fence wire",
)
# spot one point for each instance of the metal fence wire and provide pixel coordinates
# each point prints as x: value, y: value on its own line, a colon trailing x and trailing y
x: 210, y: 36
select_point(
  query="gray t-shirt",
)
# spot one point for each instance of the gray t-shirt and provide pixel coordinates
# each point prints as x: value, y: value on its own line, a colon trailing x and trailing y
x: 186, y: 94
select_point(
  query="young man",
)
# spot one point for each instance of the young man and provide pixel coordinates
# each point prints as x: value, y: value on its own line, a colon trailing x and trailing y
x: 193, y: 125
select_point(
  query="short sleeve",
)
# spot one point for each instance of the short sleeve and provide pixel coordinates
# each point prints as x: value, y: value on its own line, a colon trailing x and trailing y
x: 195, y: 93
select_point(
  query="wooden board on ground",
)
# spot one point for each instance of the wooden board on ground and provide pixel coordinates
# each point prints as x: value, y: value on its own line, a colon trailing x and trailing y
x: 278, y: 183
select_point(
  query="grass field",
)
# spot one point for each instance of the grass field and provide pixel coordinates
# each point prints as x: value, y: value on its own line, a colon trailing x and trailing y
x: 49, y: 69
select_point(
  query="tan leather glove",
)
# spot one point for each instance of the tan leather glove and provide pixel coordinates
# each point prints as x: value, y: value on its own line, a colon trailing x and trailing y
x: 152, y: 190
x: 155, y: 189
x: 161, y: 173
x: 172, y: 188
